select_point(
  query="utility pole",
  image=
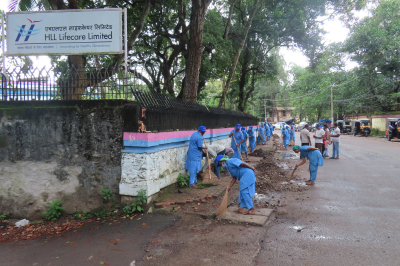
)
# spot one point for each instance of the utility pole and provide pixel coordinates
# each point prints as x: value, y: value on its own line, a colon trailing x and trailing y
x: 332, y: 105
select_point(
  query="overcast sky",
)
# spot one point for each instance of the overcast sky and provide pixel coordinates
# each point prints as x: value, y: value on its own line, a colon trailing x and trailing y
x: 336, y: 32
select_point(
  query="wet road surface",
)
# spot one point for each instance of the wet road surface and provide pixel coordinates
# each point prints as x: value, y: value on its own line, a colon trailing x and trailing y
x: 350, y: 217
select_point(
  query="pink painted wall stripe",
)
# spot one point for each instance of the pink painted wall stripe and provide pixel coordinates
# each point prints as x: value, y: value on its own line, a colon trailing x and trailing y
x: 170, y: 135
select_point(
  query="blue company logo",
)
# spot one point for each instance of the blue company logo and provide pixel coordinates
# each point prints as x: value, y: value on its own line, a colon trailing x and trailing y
x: 27, y: 33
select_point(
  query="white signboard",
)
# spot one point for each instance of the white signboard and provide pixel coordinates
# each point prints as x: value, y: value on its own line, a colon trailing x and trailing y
x: 66, y: 32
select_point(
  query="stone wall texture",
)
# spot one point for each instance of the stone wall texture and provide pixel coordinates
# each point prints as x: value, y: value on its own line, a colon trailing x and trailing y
x: 154, y: 171
x: 61, y: 150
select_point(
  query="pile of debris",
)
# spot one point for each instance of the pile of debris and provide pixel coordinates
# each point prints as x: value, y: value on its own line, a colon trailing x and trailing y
x: 262, y: 153
x: 270, y: 177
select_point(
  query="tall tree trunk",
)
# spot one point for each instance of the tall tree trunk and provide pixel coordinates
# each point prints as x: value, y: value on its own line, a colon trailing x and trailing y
x: 237, y: 55
x: 228, y: 23
x: 243, y: 79
x: 251, y: 89
x: 195, y: 49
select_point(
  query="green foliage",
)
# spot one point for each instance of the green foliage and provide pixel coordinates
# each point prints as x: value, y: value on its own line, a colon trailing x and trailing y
x: 106, y: 194
x: 201, y: 186
x: 54, y: 210
x: 3, y: 216
x: 102, y: 214
x: 136, y: 205
x: 83, y: 216
x: 377, y: 132
x: 183, y: 180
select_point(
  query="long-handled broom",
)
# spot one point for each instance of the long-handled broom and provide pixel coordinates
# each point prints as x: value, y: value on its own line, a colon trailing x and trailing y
x: 237, y: 147
x: 223, y: 207
x: 291, y: 176
x: 212, y: 178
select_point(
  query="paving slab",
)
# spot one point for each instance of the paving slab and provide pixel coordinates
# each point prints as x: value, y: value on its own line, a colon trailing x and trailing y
x: 263, y: 212
x: 259, y: 218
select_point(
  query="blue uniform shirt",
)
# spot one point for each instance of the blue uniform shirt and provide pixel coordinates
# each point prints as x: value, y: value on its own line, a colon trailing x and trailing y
x: 245, y: 175
x: 238, y: 135
x: 314, y: 156
x: 194, y: 153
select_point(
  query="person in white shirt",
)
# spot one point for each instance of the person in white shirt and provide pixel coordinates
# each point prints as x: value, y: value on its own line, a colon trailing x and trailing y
x: 305, y: 136
x: 335, y: 141
x: 319, y: 136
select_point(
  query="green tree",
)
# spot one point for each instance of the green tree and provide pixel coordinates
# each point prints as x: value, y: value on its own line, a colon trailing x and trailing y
x: 374, y: 45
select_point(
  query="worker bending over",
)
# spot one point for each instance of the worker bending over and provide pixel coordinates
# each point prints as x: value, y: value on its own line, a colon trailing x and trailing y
x: 247, y: 182
x: 315, y: 158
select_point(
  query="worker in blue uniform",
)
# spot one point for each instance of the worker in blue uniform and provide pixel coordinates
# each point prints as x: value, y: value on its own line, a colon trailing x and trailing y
x: 252, y: 139
x: 315, y: 158
x: 243, y: 146
x: 268, y: 131
x: 262, y: 134
x: 285, y: 136
x: 238, y: 135
x: 195, y: 155
x: 247, y: 182
x: 292, y: 133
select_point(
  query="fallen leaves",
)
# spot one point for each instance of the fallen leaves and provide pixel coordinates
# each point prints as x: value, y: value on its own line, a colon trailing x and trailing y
x: 34, y: 231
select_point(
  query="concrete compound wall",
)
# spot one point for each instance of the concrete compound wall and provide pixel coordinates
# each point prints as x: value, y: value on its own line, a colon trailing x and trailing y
x: 60, y: 150
x: 154, y: 161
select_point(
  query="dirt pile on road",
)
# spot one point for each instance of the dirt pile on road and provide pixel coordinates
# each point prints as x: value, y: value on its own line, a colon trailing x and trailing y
x: 270, y: 177
x: 261, y: 153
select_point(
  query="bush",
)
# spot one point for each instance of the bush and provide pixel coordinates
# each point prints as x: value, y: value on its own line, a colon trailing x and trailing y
x: 106, y: 194
x: 3, y: 217
x: 102, y: 214
x: 377, y: 132
x: 137, y: 205
x: 83, y: 216
x: 54, y: 210
x: 183, y: 180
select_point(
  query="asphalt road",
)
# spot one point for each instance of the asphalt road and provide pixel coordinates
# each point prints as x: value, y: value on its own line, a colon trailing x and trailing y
x: 350, y: 217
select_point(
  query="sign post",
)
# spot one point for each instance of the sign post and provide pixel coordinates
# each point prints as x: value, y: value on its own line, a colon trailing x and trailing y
x: 126, y: 51
x: 3, y: 44
x: 65, y: 32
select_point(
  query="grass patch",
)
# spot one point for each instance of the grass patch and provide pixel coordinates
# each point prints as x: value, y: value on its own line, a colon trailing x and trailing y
x: 201, y: 186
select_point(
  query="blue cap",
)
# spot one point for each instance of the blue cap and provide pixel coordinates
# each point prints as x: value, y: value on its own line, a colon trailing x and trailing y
x: 250, y: 127
x: 287, y: 126
x: 238, y: 126
x: 243, y: 128
x: 317, y: 125
x: 219, y: 157
x: 202, y: 128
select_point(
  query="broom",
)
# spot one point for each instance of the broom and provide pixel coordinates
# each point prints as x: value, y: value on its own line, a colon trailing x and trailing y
x: 212, y: 177
x: 223, y: 207
x: 237, y: 147
x: 291, y: 176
